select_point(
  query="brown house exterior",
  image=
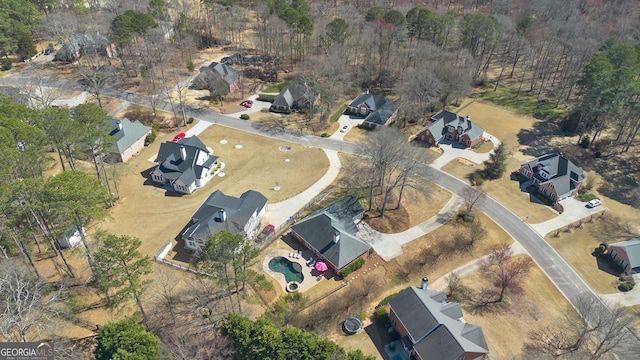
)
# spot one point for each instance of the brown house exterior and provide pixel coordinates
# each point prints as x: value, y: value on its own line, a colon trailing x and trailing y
x: 331, y: 233
x: 554, y: 176
x: 452, y: 127
x: 627, y: 254
x: 432, y: 328
x: 376, y: 110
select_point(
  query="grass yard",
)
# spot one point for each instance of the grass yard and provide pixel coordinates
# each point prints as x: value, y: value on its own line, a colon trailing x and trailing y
x: 507, y: 331
x: 357, y: 134
x: 146, y: 212
x: 524, y: 104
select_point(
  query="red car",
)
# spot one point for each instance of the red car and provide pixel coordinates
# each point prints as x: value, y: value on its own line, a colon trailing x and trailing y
x: 247, y: 103
x: 179, y: 137
x: 268, y: 230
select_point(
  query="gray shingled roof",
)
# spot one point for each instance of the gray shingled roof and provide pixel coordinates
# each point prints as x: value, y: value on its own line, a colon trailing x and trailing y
x: 228, y: 74
x: 443, y: 118
x: 632, y: 248
x: 560, y: 169
x: 382, y: 109
x: 296, y: 92
x: 174, y: 167
x: 434, y: 326
x: 319, y: 228
x: 81, y: 44
x: 128, y: 135
x: 206, y: 221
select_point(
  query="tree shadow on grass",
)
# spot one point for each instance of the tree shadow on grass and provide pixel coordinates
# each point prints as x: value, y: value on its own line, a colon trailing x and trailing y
x: 536, y: 139
x: 379, y: 336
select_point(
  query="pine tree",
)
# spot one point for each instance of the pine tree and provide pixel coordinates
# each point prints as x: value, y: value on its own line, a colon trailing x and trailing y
x: 496, y: 166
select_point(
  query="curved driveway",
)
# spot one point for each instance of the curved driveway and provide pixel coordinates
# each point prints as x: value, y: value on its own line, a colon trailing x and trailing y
x: 555, y: 267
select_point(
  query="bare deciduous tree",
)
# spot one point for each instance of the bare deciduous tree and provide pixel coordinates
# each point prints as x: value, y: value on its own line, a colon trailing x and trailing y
x: 505, y: 270
x: 472, y: 196
x: 590, y: 333
x: 29, y: 305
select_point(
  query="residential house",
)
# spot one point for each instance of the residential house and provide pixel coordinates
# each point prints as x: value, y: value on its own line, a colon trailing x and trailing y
x: 222, y: 212
x: 432, y: 328
x: 452, y: 127
x: 331, y: 233
x: 376, y: 110
x: 295, y: 97
x: 554, y: 176
x: 129, y: 138
x: 627, y: 254
x: 226, y: 72
x: 87, y: 43
x: 185, y: 165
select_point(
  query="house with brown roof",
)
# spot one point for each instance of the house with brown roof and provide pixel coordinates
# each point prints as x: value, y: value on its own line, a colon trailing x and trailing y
x: 432, y: 328
x: 554, y: 176
x: 331, y: 233
x: 627, y: 254
x: 376, y: 110
x: 446, y: 125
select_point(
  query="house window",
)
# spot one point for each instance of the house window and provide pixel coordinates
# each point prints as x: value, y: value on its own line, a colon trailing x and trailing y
x: 422, y: 137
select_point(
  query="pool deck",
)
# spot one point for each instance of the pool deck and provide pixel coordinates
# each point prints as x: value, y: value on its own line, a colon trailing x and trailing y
x: 309, y: 280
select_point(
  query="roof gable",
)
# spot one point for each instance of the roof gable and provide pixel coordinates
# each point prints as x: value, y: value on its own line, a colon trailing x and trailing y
x: 558, y: 170
x: 425, y: 312
x: 206, y: 221
x: 632, y: 249
x: 126, y: 133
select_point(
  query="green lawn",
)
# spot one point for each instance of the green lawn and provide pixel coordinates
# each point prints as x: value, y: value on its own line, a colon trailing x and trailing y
x: 523, y: 104
x: 276, y: 88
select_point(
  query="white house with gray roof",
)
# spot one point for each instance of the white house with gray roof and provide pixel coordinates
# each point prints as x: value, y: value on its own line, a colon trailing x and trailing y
x: 331, y: 233
x: 185, y: 166
x: 129, y: 137
x: 450, y: 126
x: 627, y: 254
x: 554, y: 176
x: 432, y: 328
x: 222, y: 212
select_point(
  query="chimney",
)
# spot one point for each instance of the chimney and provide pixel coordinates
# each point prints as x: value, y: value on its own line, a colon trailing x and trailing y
x: 468, y: 118
x: 425, y: 283
x: 367, y: 91
x: 183, y: 153
x: 119, y: 126
x: 223, y: 215
x: 336, y: 236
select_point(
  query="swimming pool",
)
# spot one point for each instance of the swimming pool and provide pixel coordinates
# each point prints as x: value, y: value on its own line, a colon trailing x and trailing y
x: 291, y: 271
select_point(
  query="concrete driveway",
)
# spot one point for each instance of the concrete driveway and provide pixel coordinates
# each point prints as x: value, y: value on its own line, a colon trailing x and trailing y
x: 346, y: 120
x: 574, y: 210
x: 453, y: 150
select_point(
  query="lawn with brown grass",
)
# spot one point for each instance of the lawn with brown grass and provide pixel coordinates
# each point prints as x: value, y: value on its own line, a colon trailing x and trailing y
x: 506, y: 330
x: 145, y: 211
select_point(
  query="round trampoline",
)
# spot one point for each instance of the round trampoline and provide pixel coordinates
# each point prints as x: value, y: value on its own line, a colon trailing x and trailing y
x: 352, y: 325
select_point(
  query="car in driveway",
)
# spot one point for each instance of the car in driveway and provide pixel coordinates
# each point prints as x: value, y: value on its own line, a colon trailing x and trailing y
x: 178, y: 137
x: 593, y: 203
x: 247, y: 103
x: 344, y: 129
x: 268, y: 230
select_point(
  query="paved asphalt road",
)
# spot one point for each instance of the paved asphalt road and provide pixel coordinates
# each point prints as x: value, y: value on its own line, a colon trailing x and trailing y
x: 556, y: 268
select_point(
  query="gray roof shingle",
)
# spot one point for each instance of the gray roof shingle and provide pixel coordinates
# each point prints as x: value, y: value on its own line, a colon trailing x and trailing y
x: 174, y: 167
x: 445, y: 118
x: 319, y: 228
x: 206, y: 221
x: 632, y: 248
x: 127, y: 135
x: 560, y: 169
x: 434, y: 327
x: 296, y: 93
x: 381, y: 108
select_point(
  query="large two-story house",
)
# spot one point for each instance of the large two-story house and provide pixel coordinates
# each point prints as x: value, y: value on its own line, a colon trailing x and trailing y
x: 223, y: 212
x: 554, y: 176
x: 185, y: 165
x: 452, y: 127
